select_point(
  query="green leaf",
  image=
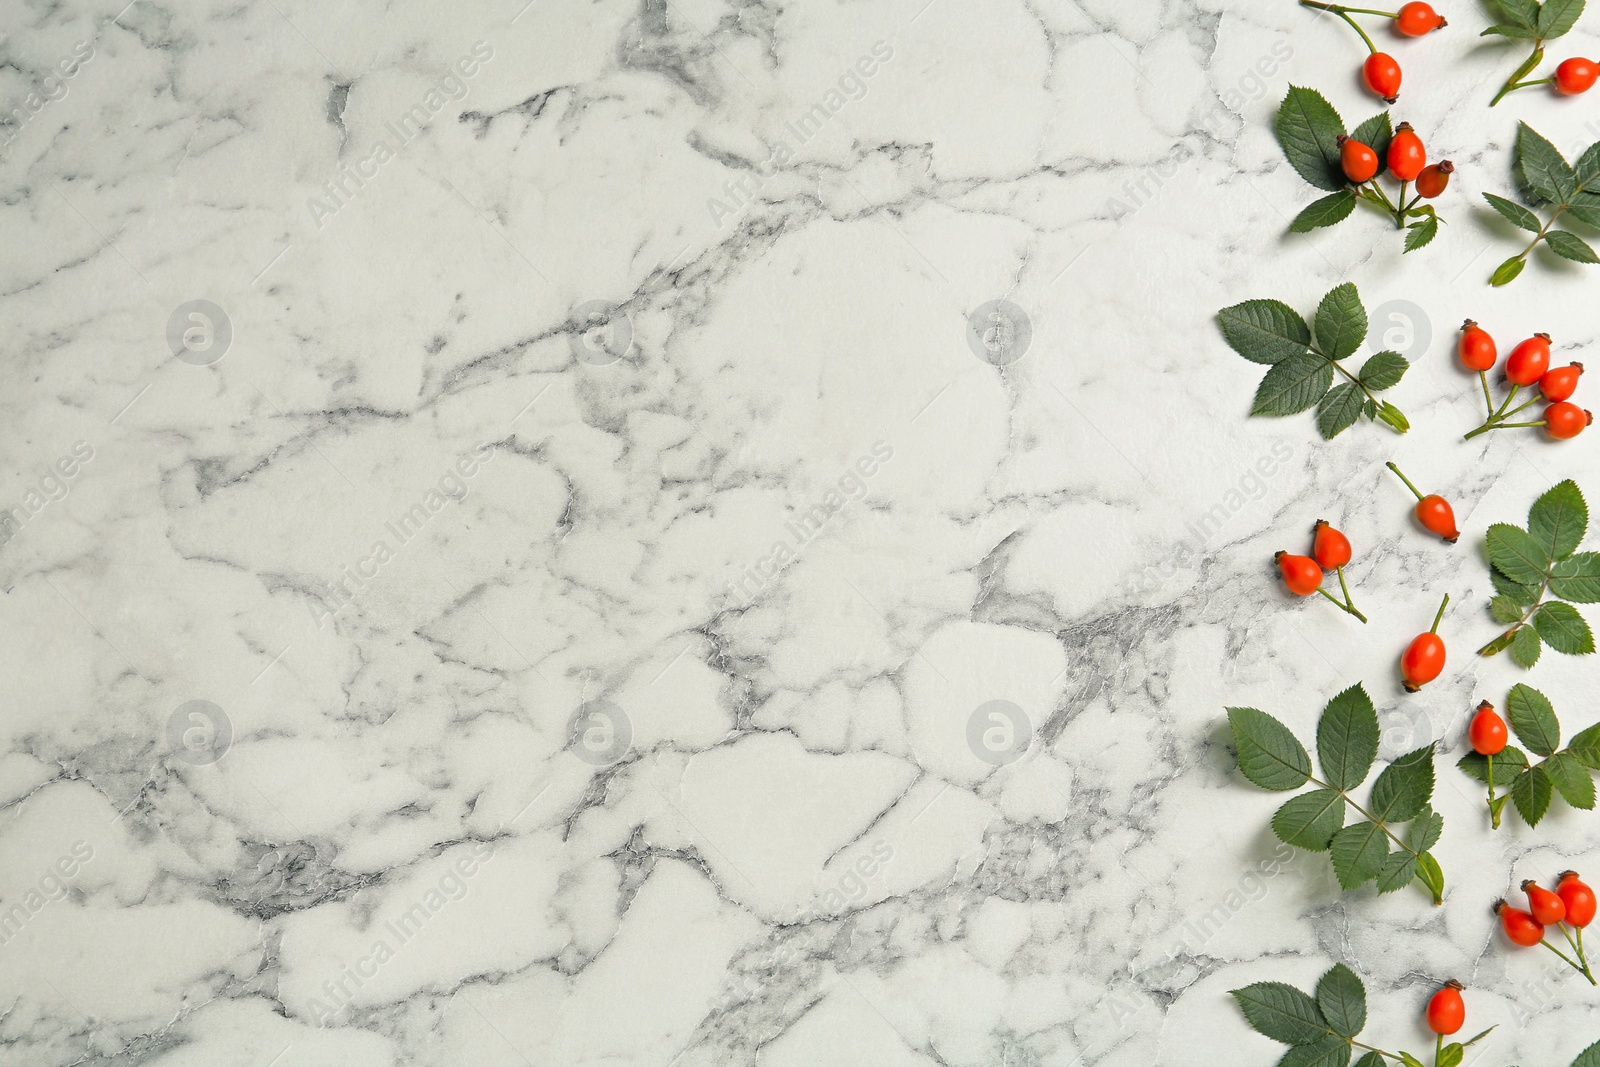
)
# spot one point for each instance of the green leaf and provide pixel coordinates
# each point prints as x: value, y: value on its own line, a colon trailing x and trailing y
x: 1269, y: 755
x: 1517, y: 554
x: 1530, y: 791
x: 1404, y: 787
x: 1329, y: 1052
x: 1384, y: 370
x: 1397, y: 873
x: 1515, y: 592
x: 1514, y: 213
x: 1499, y: 644
x: 1424, y: 831
x: 1507, y: 272
x: 1541, y: 169
x: 1451, y: 1055
x: 1571, y: 780
x: 1505, y: 610
x: 1343, y: 1000
x: 1326, y: 211
x: 1523, y: 13
x: 1265, y: 331
x: 1371, y: 1059
x: 1293, y: 385
x: 1338, y: 410
x: 1308, y: 130
x: 1515, y: 32
x: 1508, y: 763
x: 1557, y: 16
x: 1310, y: 820
x: 1587, y: 169
x: 1558, y: 520
x: 1570, y: 246
x: 1282, y: 1013
x: 1392, y: 415
x: 1577, y: 578
x: 1589, y: 1057
x: 1358, y: 853
x: 1341, y: 322
x: 1376, y: 133
x: 1563, y: 629
x: 1585, y: 747
x: 1347, y: 738
x: 1409, y: 1060
x: 1429, y: 874
x: 1419, y: 233
x: 1533, y: 719
x: 1525, y: 646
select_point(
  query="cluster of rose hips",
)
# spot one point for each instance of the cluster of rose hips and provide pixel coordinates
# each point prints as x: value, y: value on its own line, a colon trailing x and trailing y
x: 1527, y: 365
x: 1381, y: 73
x: 1572, y: 905
x: 1330, y: 551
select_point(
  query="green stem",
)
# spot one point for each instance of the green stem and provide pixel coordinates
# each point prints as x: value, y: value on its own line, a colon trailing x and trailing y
x: 1526, y: 615
x: 1341, y: 604
x: 1488, y: 402
x: 1349, y: 601
x: 1439, y: 617
x: 1399, y: 215
x: 1438, y: 1049
x: 1365, y: 814
x: 1569, y: 961
x: 1513, y: 83
x: 1336, y: 8
x: 1403, y: 478
x: 1508, y: 425
x: 1494, y: 812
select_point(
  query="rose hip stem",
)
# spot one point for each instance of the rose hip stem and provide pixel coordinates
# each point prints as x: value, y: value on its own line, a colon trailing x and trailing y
x: 1498, y: 416
x: 1345, y: 13
x: 1513, y: 84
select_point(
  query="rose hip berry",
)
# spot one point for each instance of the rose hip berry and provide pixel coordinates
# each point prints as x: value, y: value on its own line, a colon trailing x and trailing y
x: 1577, y: 897
x: 1423, y: 659
x: 1529, y: 360
x: 1407, y: 157
x: 1476, y: 348
x: 1300, y: 573
x: 1565, y: 420
x: 1446, y: 1010
x: 1520, y: 927
x: 1330, y: 547
x: 1433, y: 511
x: 1559, y: 383
x: 1416, y: 19
x: 1576, y: 75
x: 1487, y: 734
x: 1546, y: 907
x: 1433, y: 179
x: 1359, y: 161
x: 1382, y: 76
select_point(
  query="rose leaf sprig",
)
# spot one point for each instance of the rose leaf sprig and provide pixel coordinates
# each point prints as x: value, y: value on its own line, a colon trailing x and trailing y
x: 1533, y: 785
x: 1527, y: 564
x: 1271, y: 757
x: 1348, y: 167
x: 1545, y: 180
x: 1322, y: 1028
x: 1303, y: 361
x: 1529, y: 20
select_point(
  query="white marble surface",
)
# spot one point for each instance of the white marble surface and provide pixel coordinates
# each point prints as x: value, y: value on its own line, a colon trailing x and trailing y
x: 391, y: 854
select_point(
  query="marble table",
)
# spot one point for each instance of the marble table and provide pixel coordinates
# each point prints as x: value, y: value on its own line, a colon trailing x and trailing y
x: 684, y: 532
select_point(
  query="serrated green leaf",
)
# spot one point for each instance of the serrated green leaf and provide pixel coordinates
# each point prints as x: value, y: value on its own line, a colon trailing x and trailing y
x: 1533, y: 719
x: 1587, y: 169
x: 1265, y: 331
x: 1570, y: 246
x: 1424, y: 831
x: 1383, y: 370
x: 1269, y: 755
x: 1282, y: 1013
x: 1371, y: 1059
x: 1503, y: 30
x: 1405, y: 786
x: 1451, y: 1055
x: 1543, y: 173
x: 1515, y: 592
x: 1508, y: 763
x: 1409, y: 1060
x: 1524, y: 13
x: 1514, y: 213
x: 1577, y: 578
x: 1376, y: 133
x: 1329, y: 1052
x: 1419, y: 233
x: 1392, y: 415
x: 1310, y: 820
x: 1308, y: 130
x: 1571, y: 780
x: 1525, y: 646
x: 1398, y: 872
x: 1430, y: 875
x: 1517, y: 554
x: 1585, y: 747
x: 1341, y: 322
x: 1530, y: 791
x: 1558, y: 520
x: 1347, y: 738
x: 1358, y: 853
x: 1563, y: 629
x: 1338, y: 410
x: 1507, y: 272
x: 1505, y: 610
x: 1293, y: 386
x: 1589, y: 1057
x: 1326, y: 211
x: 1557, y: 16
x: 1343, y: 1000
